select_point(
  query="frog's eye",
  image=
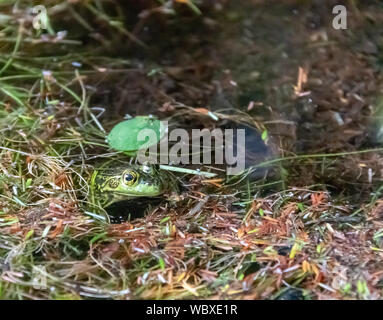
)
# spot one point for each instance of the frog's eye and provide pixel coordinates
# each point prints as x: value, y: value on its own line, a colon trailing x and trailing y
x: 130, y: 177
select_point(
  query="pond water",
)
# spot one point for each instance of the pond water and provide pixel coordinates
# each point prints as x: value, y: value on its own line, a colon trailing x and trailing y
x: 282, y: 69
x: 315, y: 89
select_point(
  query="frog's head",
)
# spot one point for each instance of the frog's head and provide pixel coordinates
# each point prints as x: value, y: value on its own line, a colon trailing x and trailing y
x: 111, y: 184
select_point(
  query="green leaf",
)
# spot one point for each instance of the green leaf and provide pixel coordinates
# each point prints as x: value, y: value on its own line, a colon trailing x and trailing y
x: 154, y: 72
x: 124, y: 136
x: 264, y: 135
x: 28, y: 183
x: 29, y: 234
x: 346, y: 288
x: 269, y: 250
x: 362, y: 288
x: 98, y: 237
x: 165, y: 219
x: 294, y: 250
x: 161, y: 263
x: 253, y: 231
x: 301, y: 207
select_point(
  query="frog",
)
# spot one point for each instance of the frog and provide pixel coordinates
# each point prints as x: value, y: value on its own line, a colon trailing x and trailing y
x: 113, y: 183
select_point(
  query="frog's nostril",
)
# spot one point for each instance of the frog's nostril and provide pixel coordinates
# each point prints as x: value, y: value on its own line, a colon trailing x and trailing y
x: 113, y: 183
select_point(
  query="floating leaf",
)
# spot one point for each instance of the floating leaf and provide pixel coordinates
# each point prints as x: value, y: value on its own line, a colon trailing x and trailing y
x: 125, y: 135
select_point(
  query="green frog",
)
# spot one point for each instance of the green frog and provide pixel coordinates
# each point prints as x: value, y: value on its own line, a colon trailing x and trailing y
x: 112, y: 183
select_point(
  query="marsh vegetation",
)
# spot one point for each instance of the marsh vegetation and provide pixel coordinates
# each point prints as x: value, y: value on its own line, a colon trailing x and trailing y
x: 304, y: 221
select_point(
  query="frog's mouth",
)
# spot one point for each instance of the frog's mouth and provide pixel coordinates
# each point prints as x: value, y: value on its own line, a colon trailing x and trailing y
x: 127, y: 196
x: 107, y: 199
